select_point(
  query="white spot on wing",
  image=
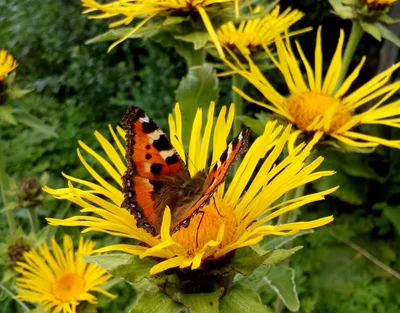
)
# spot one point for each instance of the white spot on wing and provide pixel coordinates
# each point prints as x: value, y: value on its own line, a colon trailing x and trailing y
x: 144, y: 119
x: 155, y: 135
x: 166, y: 153
x: 240, y: 137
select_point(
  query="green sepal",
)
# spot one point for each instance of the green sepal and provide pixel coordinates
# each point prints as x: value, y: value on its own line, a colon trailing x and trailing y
x: 281, y: 279
x: 198, y: 39
x: 143, y: 32
x: 246, y: 260
x: 343, y: 11
x: 388, y: 34
x: 241, y: 299
x: 372, y: 29
x: 6, y: 115
x: 198, y: 302
x: 195, y: 91
x: 24, y: 117
x: 129, y: 267
x: 155, y: 302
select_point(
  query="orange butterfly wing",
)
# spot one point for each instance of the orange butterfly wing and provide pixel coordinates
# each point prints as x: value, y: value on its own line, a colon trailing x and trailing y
x: 150, y: 157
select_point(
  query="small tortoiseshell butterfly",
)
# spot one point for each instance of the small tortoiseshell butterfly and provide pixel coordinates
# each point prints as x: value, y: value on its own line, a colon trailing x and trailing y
x: 156, y: 176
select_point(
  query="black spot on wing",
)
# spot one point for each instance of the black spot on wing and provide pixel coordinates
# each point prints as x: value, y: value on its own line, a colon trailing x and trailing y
x: 224, y: 156
x: 156, y: 168
x: 162, y: 143
x: 172, y: 159
x: 149, y: 127
x: 234, y: 143
x: 148, y: 147
x: 157, y: 185
x: 148, y: 156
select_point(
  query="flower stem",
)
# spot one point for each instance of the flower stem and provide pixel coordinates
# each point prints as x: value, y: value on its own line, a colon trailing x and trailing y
x: 33, y: 220
x: 237, y: 100
x: 4, y: 186
x: 12, y: 296
x: 351, y: 46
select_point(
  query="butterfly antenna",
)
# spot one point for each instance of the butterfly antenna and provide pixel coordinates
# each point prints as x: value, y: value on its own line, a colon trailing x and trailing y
x: 215, y: 204
x: 186, y: 154
x: 198, y: 228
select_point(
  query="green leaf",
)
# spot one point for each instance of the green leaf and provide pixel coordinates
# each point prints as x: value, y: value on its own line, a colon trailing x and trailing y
x: 280, y: 254
x: 255, y: 125
x: 372, y: 29
x: 392, y: 212
x: 241, y: 299
x: 278, y: 241
x: 6, y: 115
x: 281, y: 279
x: 16, y: 93
x: 29, y: 120
x: 388, y: 34
x: 129, y: 267
x: 201, y: 302
x: 198, y: 39
x: 155, y: 302
x: 196, y: 90
x: 246, y: 260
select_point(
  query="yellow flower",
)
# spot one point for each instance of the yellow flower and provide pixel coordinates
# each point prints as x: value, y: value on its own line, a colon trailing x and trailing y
x: 149, y: 9
x: 317, y: 105
x: 60, y: 280
x: 252, y: 34
x: 237, y: 217
x: 7, y: 64
x: 379, y: 3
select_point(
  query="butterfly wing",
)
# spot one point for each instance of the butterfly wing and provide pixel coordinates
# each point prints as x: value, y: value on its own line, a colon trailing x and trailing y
x: 216, y: 177
x: 150, y: 158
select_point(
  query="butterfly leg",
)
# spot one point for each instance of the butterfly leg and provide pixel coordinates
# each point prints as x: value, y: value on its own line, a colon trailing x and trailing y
x: 215, y: 204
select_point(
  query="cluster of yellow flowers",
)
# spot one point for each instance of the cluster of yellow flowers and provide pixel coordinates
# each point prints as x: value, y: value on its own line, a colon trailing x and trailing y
x: 242, y: 211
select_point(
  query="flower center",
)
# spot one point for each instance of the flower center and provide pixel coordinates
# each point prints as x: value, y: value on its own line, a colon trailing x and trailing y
x: 68, y: 287
x: 204, y: 227
x: 305, y: 107
x: 373, y: 4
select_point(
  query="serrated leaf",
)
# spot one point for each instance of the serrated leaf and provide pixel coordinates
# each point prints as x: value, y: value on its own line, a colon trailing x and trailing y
x: 280, y: 254
x: 198, y: 39
x: 196, y: 90
x: 129, y: 267
x: 241, y: 299
x: 6, y: 115
x: 255, y: 280
x: 155, y: 302
x: 279, y: 241
x: 372, y: 29
x: 202, y: 302
x: 281, y: 279
x: 345, y: 12
x: 388, y: 34
x: 29, y: 120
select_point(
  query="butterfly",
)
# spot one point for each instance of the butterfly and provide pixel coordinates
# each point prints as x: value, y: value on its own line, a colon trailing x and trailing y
x: 157, y: 177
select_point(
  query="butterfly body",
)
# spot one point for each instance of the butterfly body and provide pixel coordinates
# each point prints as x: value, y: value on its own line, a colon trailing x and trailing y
x: 157, y: 177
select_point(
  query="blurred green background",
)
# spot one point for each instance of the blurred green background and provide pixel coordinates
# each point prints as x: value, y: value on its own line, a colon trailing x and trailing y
x: 79, y: 89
